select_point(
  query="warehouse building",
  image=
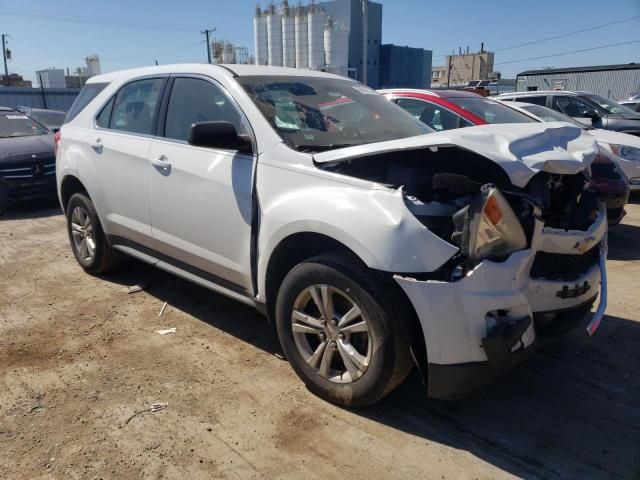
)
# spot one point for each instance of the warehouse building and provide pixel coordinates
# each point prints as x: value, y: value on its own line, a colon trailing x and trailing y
x: 617, y: 82
x: 463, y: 68
x: 404, y: 67
x: 322, y: 36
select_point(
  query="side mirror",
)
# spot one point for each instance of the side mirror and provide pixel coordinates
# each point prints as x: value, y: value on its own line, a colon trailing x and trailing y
x: 593, y: 114
x: 219, y: 134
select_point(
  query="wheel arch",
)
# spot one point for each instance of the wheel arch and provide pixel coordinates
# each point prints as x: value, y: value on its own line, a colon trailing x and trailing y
x: 70, y: 185
x: 301, y: 246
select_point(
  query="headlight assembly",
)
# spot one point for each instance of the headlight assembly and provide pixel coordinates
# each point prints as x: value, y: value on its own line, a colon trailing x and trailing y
x: 625, y: 151
x: 488, y: 227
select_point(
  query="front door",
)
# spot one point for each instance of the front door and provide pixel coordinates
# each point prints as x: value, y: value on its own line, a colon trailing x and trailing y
x: 577, y: 109
x: 200, y: 198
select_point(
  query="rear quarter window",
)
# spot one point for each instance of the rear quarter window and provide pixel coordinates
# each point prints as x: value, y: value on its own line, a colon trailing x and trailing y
x: 84, y: 98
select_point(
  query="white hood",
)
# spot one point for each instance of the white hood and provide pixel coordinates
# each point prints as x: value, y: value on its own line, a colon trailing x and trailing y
x: 522, y: 149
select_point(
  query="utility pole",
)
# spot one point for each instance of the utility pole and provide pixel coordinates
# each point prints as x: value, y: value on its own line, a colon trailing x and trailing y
x: 206, y: 33
x: 44, y: 96
x: 4, y: 56
x: 449, y: 71
x: 365, y: 39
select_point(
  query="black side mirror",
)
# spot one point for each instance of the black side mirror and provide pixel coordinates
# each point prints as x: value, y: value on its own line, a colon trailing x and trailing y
x: 593, y: 114
x: 219, y: 134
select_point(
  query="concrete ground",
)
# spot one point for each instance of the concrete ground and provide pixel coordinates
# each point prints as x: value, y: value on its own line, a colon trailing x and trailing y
x: 80, y: 366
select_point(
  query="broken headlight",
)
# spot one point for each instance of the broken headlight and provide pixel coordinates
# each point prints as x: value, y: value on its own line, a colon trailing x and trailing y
x: 488, y: 227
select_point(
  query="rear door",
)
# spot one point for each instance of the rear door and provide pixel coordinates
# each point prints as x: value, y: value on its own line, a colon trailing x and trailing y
x: 201, y: 198
x: 119, y: 145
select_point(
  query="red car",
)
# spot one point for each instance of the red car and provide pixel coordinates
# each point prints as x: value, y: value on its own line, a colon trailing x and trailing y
x: 447, y: 109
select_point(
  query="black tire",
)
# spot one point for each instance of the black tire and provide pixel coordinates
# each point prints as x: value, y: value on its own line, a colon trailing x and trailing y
x: 105, y: 258
x: 390, y: 360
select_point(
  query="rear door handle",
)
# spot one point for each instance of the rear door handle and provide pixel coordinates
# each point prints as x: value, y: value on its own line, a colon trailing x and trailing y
x: 97, y: 145
x: 161, y: 162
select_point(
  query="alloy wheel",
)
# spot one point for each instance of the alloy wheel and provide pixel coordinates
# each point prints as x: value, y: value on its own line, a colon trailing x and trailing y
x: 331, y: 333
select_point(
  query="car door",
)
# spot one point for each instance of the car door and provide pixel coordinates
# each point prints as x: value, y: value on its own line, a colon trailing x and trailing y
x: 201, y: 198
x: 432, y: 115
x: 576, y: 108
x: 120, y: 144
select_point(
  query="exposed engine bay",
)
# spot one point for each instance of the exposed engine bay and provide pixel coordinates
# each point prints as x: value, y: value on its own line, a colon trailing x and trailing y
x: 469, y: 201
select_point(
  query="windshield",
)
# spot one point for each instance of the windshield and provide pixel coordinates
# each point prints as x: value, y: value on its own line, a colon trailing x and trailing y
x: 490, y: 111
x: 316, y: 114
x: 49, y: 118
x: 548, y: 115
x: 16, y: 124
x: 609, y: 105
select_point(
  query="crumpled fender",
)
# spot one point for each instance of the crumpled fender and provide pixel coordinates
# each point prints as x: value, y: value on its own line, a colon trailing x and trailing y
x: 373, y: 222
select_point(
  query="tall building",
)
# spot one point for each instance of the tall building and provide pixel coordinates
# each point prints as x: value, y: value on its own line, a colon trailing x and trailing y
x: 51, y: 78
x: 404, y: 67
x: 322, y: 36
x: 463, y: 68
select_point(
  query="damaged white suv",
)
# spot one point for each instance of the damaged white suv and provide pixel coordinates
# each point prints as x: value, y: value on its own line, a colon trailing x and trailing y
x: 371, y: 242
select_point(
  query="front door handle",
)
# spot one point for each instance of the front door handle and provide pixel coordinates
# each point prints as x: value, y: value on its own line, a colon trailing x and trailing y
x: 97, y: 145
x: 162, y: 162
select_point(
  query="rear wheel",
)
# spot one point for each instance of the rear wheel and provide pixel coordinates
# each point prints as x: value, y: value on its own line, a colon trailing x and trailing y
x: 88, y: 241
x: 338, y: 329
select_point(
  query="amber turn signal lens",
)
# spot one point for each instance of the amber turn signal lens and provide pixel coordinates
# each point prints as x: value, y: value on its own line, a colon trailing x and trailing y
x: 492, y: 210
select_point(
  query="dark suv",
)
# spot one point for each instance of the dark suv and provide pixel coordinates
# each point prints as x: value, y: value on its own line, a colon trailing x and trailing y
x: 588, y: 108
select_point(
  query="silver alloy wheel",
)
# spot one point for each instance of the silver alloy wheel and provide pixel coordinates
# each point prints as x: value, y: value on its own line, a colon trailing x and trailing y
x: 331, y: 333
x: 82, y: 233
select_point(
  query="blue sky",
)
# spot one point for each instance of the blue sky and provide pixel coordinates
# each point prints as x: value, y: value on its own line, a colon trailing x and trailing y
x: 130, y: 33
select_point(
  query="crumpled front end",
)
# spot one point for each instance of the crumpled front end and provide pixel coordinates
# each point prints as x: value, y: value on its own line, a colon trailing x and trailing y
x: 480, y: 322
x: 518, y: 203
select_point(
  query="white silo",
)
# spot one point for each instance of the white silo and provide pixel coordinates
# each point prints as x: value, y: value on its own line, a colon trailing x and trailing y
x: 336, y: 47
x: 274, y: 36
x: 302, y: 38
x: 260, y: 37
x: 228, y: 53
x: 316, y: 20
x: 288, y: 36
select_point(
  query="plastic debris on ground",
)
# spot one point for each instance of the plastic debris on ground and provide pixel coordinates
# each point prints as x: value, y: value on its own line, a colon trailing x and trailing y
x: 166, y: 331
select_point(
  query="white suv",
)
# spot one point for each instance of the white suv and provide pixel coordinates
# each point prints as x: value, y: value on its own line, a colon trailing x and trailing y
x: 372, y: 243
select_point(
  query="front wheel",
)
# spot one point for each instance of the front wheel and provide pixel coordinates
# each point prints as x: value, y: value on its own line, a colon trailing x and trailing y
x: 338, y: 329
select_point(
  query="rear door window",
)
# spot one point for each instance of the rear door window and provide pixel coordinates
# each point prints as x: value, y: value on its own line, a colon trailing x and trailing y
x: 432, y: 115
x: 88, y: 93
x: 536, y: 100
x: 134, y: 108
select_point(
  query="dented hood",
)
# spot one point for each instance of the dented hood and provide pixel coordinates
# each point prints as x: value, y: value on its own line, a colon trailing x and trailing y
x: 522, y: 150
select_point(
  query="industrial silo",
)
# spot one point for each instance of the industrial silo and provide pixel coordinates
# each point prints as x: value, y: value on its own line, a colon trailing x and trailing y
x: 302, y: 37
x: 288, y: 36
x: 274, y: 36
x: 260, y: 37
x: 336, y: 47
x: 316, y: 19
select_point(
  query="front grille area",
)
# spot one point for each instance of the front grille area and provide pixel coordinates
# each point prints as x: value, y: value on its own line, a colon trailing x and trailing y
x: 25, y: 168
x: 560, y: 267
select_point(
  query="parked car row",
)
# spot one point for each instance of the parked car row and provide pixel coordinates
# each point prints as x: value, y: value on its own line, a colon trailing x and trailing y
x: 374, y: 239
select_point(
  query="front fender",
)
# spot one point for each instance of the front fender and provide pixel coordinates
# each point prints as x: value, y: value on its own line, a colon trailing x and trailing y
x: 374, y: 223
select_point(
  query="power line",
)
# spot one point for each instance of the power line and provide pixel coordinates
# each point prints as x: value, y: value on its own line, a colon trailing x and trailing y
x: 568, y: 53
x: 83, y: 19
x: 556, y: 37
